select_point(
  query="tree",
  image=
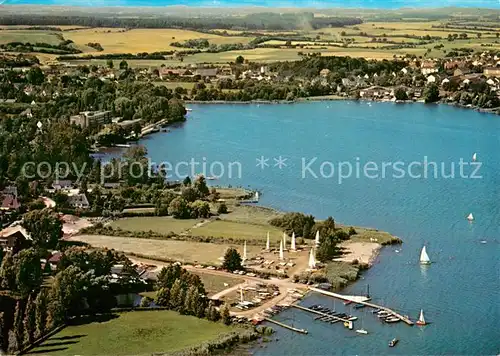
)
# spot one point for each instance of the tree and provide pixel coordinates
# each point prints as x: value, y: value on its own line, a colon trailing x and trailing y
x: 40, y: 313
x: 222, y: 208
x: 186, y: 181
x: 400, y: 94
x: 162, y: 297
x: 190, y: 194
x: 35, y: 76
x: 56, y: 314
x: 326, y: 250
x: 200, y: 209
x: 13, y: 343
x: 29, y: 322
x: 123, y: 65
x: 3, y: 341
x: 232, y: 260
x: 176, y: 295
x: 226, y: 317
x: 431, y: 93
x: 200, y: 184
x: 240, y: 60
x: 7, y: 272
x: 28, y: 271
x: 44, y: 227
x: 190, y: 301
x: 179, y: 208
x: 146, y: 302
x: 18, y: 325
x: 110, y: 63
x: 212, y: 313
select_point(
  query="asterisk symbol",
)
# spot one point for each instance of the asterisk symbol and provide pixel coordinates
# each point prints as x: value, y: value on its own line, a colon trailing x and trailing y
x: 262, y: 162
x: 280, y: 162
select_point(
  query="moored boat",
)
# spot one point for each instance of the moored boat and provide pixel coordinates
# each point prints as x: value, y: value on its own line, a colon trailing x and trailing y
x: 393, y: 342
x: 359, y: 306
x: 347, y: 302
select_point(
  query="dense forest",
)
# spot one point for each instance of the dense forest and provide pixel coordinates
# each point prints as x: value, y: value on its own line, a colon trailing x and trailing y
x: 259, y: 21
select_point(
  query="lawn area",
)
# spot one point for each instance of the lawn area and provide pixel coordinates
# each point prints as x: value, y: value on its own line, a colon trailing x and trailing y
x: 133, y: 333
x: 238, y: 230
x: 182, y: 251
x: 365, y: 234
x: 250, y: 214
x: 159, y: 224
x: 173, y: 85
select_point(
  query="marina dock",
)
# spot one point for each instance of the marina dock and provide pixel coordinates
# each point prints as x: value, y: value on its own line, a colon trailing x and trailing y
x: 320, y: 313
x: 302, y: 331
x: 364, y: 301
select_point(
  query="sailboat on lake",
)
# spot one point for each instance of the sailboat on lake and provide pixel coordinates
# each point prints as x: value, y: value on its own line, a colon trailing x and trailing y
x: 474, y: 157
x: 470, y: 217
x: 421, y: 320
x: 424, y: 257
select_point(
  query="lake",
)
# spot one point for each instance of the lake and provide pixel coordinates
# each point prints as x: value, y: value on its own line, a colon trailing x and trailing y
x: 459, y: 292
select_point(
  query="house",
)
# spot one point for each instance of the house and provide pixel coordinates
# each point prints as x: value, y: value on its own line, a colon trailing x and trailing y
x: 428, y: 67
x: 54, y: 260
x: 9, y: 202
x: 62, y: 184
x: 404, y: 71
x: 10, y: 190
x: 14, y: 238
x: 324, y: 72
x: 206, y: 72
x: 91, y: 118
x: 431, y: 79
x: 444, y: 81
x: 458, y: 72
x: 78, y: 200
x: 492, y: 71
x: 169, y: 72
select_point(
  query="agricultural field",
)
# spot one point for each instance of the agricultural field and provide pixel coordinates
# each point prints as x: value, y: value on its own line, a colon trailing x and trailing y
x: 30, y: 36
x: 182, y: 251
x: 133, y: 333
x: 118, y: 40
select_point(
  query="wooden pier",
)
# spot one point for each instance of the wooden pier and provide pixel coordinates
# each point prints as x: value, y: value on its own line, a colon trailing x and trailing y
x: 322, y: 314
x: 302, y: 331
x: 364, y: 301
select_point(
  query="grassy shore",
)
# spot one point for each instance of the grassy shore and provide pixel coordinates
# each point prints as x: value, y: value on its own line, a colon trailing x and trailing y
x: 133, y: 333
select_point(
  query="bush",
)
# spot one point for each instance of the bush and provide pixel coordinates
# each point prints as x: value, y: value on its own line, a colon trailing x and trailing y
x: 222, y: 208
x: 352, y: 231
x: 146, y: 302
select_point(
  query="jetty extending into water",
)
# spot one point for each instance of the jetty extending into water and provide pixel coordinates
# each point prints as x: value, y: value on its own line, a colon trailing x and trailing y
x: 320, y: 313
x: 302, y: 331
x: 364, y: 301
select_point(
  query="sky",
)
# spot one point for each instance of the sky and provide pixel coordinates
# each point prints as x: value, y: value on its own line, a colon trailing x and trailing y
x: 384, y: 4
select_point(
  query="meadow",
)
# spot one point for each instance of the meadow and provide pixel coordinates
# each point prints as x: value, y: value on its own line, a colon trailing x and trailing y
x: 133, y: 333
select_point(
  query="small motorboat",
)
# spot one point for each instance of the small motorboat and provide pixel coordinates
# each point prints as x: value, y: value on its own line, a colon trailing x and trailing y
x: 362, y: 331
x: 375, y: 311
x: 392, y: 320
x: 352, y: 318
x: 393, y: 342
x: 359, y: 306
x: 347, y: 302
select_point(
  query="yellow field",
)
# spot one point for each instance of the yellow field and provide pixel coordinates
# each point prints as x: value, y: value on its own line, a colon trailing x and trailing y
x: 118, y: 40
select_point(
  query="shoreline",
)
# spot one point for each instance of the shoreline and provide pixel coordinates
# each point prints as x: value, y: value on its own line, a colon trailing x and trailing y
x: 494, y: 111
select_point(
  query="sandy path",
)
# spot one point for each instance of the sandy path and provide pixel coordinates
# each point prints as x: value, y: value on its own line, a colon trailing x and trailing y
x: 364, y: 252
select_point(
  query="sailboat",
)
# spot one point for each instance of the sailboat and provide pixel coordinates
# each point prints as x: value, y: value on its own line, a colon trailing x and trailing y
x: 312, y: 260
x: 421, y: 320
x: 474, y: 157
x: 267, y: 242
x: 284, y: 241
x: 362, y: 330
x: 245, y: 251
x: 316, y: 240
x: 293, y: 242
x: 424, y: 257
x: 281, y: 251
x: 470, y: 217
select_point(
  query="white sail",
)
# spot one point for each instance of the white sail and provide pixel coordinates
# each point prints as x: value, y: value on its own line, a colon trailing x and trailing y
x: 293, y: 242
x: 424, y: 257
x: 316, y: 240
x: 470, y: 217
x: 267, y: 242
x: 241, y: 295
x: 474, y: 157
x: 281, y: 251
x: 284, y: 241
x: 256, y: 196
x: 312, y: 260
x: 421, y: 319
x: 244, y: 251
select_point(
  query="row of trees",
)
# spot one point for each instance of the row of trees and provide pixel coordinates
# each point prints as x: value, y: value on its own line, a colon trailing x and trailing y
x: 180, y: 290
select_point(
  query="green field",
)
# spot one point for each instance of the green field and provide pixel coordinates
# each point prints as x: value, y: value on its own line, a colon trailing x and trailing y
x: 133, y: 333
x: 161, y: 225
x: 7, y: 36
x: 238, y: 230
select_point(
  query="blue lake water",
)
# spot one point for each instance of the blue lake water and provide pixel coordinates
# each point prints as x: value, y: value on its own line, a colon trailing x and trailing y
x: 371, y: 4
x: 459, y: 292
